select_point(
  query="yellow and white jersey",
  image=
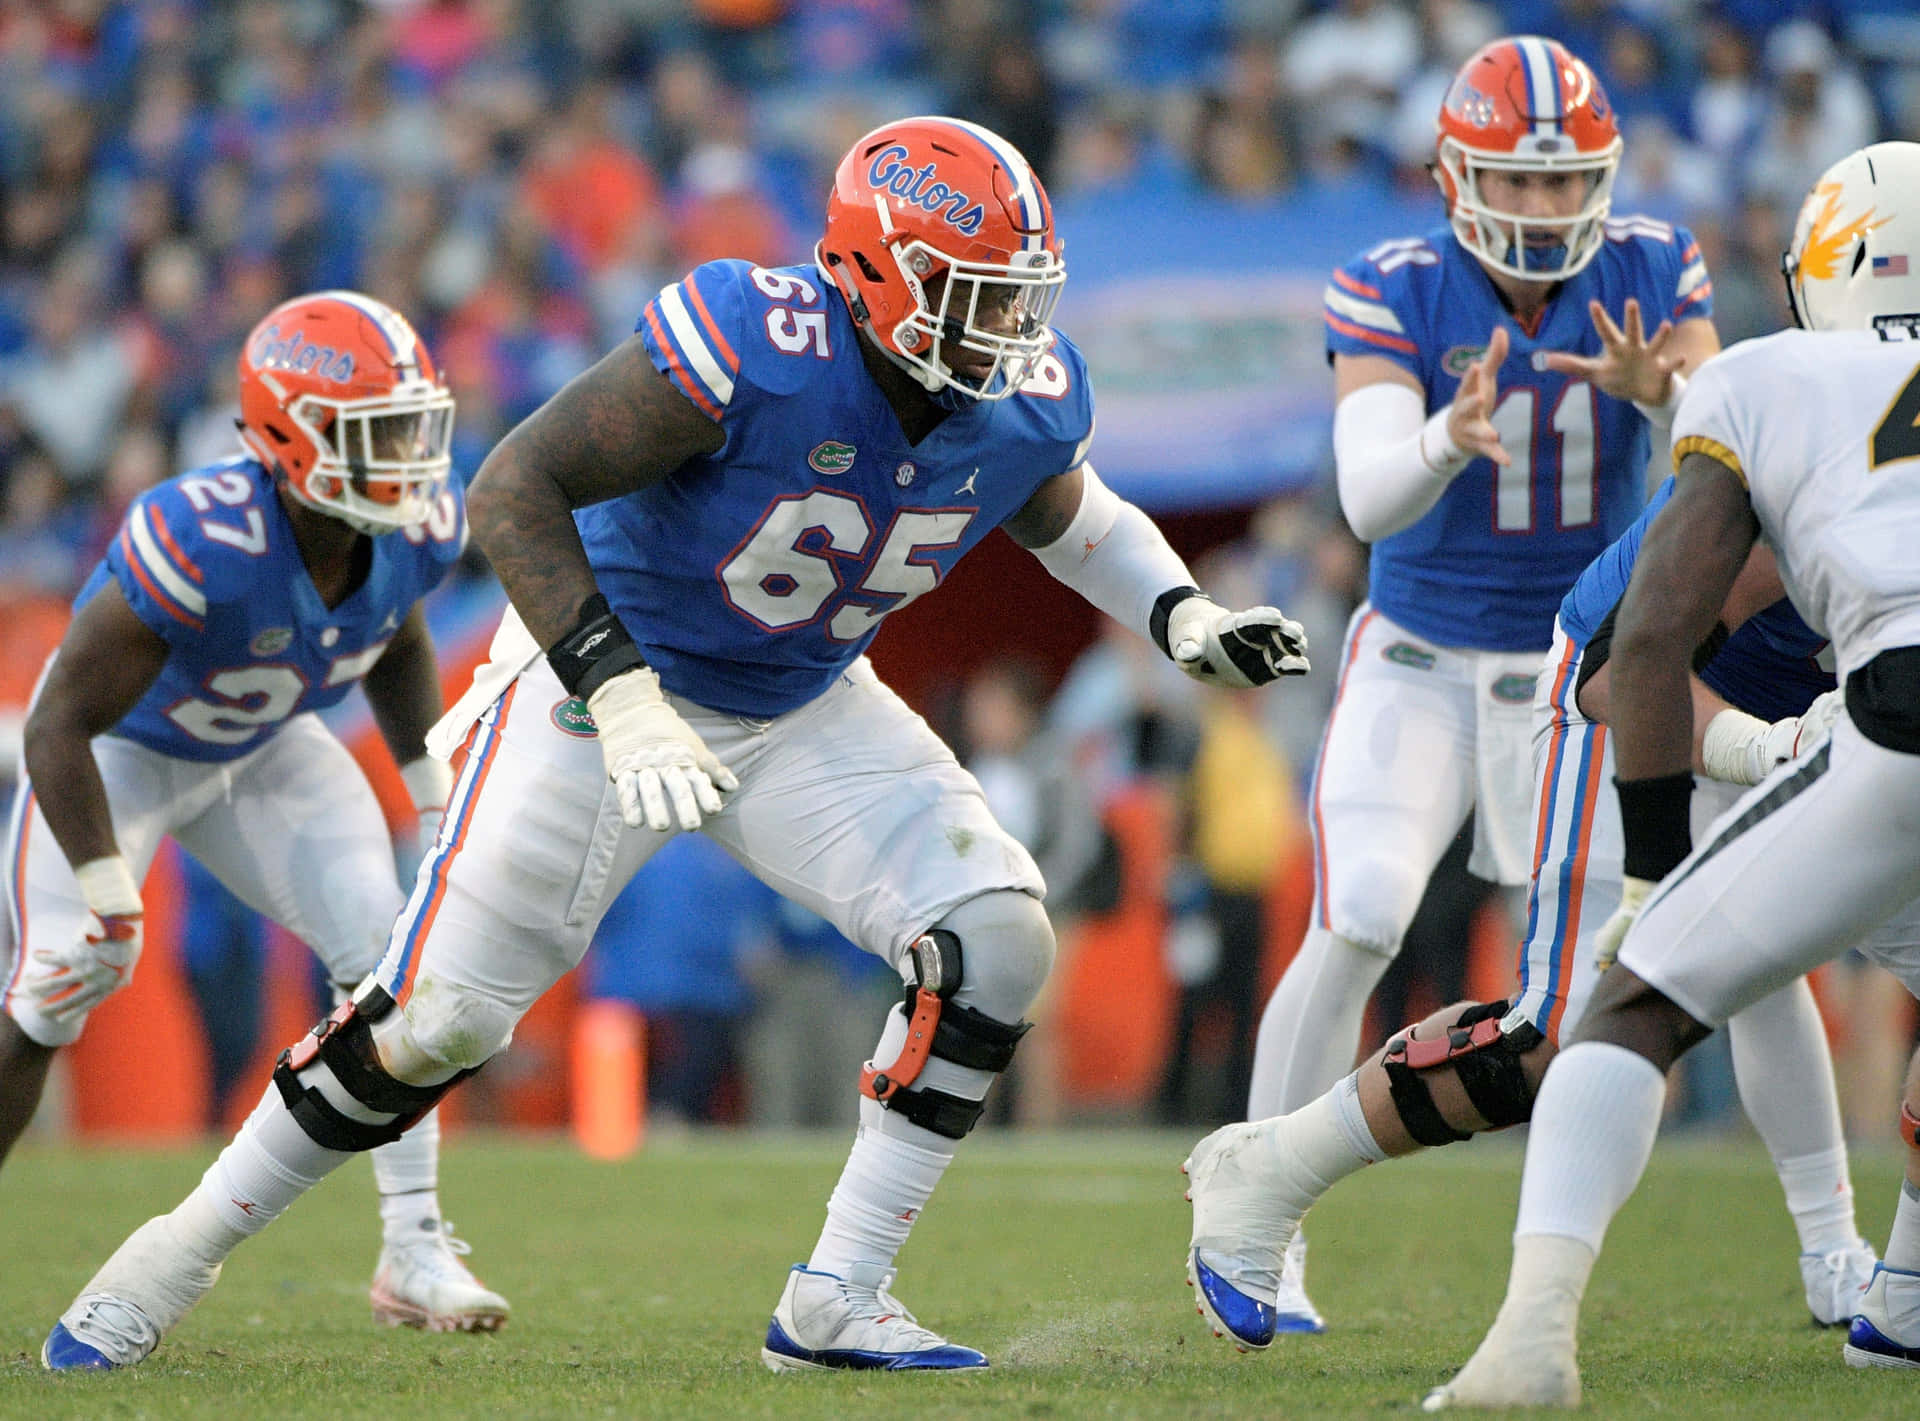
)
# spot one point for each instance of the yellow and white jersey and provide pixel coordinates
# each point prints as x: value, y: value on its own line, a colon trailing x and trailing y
x: 1822, y: 427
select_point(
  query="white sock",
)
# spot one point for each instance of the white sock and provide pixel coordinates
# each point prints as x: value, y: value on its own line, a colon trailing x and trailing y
x: 1820, y: 1198
x: 1903, y: 1243
x: 893, y: 1166
x: 886, y: 1183
x: 1785, y: 1074
x: 1353, y: 1120
x: 407, y: 1174
x: 1593, y: 1129
x: 1310, y: 1031
x: 1323, y: 1146
x: 268, y: 1165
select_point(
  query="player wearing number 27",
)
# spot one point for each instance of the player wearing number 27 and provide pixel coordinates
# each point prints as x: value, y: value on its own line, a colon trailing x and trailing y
x: 701, y: 534
x: 1488, y: 445
x: 237, y: 601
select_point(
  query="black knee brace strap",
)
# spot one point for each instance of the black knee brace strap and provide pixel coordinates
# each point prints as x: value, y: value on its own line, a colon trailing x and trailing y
x: 342, y: 1046
x: 939, y: 1026
x: 1487, y: 1061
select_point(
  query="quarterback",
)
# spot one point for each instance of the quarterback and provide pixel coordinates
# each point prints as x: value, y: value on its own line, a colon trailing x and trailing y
x: 1494, y: 380
x: 699, y: 537
x: 237, y: 601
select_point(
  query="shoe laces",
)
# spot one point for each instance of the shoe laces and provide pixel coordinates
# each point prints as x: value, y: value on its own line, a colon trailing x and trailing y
x: 875, y: 1304
x: 434, y: 1246
x: 114, y: 1327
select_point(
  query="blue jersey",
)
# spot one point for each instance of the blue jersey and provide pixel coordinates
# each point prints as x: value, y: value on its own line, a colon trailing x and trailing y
x: 208, y: 561
x: 1489, y: 562
x: 1770, y: 666
x: 751, y: 577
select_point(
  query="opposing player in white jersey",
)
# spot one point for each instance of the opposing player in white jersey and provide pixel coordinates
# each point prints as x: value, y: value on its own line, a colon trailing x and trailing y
x: 1761, y: 698
x: 1806, y: 440
x: 703, y: 532
x: 1488, y: 446
x: 238, y: 601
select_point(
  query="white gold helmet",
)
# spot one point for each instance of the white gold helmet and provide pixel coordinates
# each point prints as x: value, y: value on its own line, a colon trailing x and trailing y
x: 1855, y: 260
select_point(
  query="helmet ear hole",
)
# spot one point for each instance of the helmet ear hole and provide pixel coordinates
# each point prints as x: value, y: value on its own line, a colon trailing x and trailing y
x: 867, y: 268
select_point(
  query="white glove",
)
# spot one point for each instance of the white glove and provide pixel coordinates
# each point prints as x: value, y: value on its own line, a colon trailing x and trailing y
x: 653, y: 757
x: 1741, y: 749
x: 77, y: 977
x: 429, y: 784
x: 1238, y: 649
x: 1613, y: 932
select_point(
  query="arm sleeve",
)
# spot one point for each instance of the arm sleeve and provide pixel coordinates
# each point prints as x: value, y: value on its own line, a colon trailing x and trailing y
x: 158, y: 569
x: 1113, y: 555
x: 1391, y: 460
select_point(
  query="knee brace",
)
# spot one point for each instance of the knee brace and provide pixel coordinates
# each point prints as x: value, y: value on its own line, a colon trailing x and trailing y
x: 333, y: 1077
x: 939, y: 1026
x: 1486, y: 1058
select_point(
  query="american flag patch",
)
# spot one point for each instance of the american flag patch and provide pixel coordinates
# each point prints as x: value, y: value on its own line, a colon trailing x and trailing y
x: 1889, y: 266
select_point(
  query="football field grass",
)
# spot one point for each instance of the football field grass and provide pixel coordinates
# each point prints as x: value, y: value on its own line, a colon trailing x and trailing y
x: 643, y: 1289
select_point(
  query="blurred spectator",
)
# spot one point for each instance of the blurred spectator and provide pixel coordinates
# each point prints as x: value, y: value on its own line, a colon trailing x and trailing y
x: 1034, y: 789
x: 1818, y: 111
x: 819, y: 1005
x: 74, y: 380
x: 1727, y: 103
x: 40, y: 534
x: 1349, y: 63
x: 672, y: 945
x: 1244, y: 824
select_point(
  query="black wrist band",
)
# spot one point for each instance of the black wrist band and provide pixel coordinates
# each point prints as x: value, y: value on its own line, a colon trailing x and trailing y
x: 1654, y: 822
x: 595, y: 651
x: 1163, y: 606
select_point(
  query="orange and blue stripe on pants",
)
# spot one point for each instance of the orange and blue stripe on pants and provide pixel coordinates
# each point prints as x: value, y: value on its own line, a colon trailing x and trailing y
x: 430, y: 887
x: 1569, y: 793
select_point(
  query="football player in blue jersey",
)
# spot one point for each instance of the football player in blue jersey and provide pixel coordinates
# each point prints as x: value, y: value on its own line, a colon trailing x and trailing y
x: 1493, y: 381
x: 1761, y: 698
x: 699, y: 537
x: 238, y: 600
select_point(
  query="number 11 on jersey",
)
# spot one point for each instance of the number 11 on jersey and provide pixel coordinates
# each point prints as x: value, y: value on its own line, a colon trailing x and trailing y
x: 1567, y: 437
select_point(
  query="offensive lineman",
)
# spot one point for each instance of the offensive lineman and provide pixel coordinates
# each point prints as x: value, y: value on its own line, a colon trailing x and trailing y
x: 1488, y: 445
x: 1806, y: 439
x: 238, y: 600
x: 1251, y: 1184
x: 703, y: 532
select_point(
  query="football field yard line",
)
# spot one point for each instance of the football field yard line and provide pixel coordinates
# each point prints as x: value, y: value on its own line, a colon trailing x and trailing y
x: 642, y: 1288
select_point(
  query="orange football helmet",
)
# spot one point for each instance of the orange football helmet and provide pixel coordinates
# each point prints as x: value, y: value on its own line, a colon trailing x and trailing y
x: 941, y: 240
x: 339, y: 398
x: 1525, y: 104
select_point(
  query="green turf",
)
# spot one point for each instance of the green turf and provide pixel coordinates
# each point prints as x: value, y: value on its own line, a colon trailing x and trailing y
x: 643, y: 1289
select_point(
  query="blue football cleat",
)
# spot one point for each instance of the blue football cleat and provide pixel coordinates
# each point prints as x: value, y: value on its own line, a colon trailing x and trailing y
x: 1870, y: 1339
x: 63, y: 1352
x: 828, y: 1323
x: 1250, y: 1323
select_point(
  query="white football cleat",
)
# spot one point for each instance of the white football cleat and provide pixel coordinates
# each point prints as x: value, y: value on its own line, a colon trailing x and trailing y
x: 1835, y: 1281
x: 1245, y: 1215
x: 828, y: 1323
x: 1886, y: 1323
x: 136, y: 1298
x: 422, y: 1283
x: 1293, y: 1310
x: 1528, y: 1357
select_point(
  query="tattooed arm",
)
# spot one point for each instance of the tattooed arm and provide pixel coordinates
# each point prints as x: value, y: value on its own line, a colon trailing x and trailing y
x: 614, y: 429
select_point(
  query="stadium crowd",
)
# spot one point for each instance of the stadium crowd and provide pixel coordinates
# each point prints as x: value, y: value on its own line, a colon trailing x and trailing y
x: 520, y: 179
